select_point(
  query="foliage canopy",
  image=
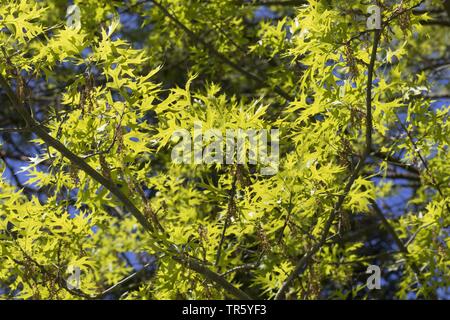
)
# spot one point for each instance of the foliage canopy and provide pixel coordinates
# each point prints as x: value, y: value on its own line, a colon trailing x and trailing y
x: 88, y: 113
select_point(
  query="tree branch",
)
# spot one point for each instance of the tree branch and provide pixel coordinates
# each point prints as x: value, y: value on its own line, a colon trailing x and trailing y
x: 287, y: 3
x: 231, y: 207
x: 215, y: 277
x: 394, y: 235
x: 303, y: 262
x: 219, y: 55
x: 395, y: 161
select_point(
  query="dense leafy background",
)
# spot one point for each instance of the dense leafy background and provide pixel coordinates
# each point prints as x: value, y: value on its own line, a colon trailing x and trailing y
x: 113, y: 92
